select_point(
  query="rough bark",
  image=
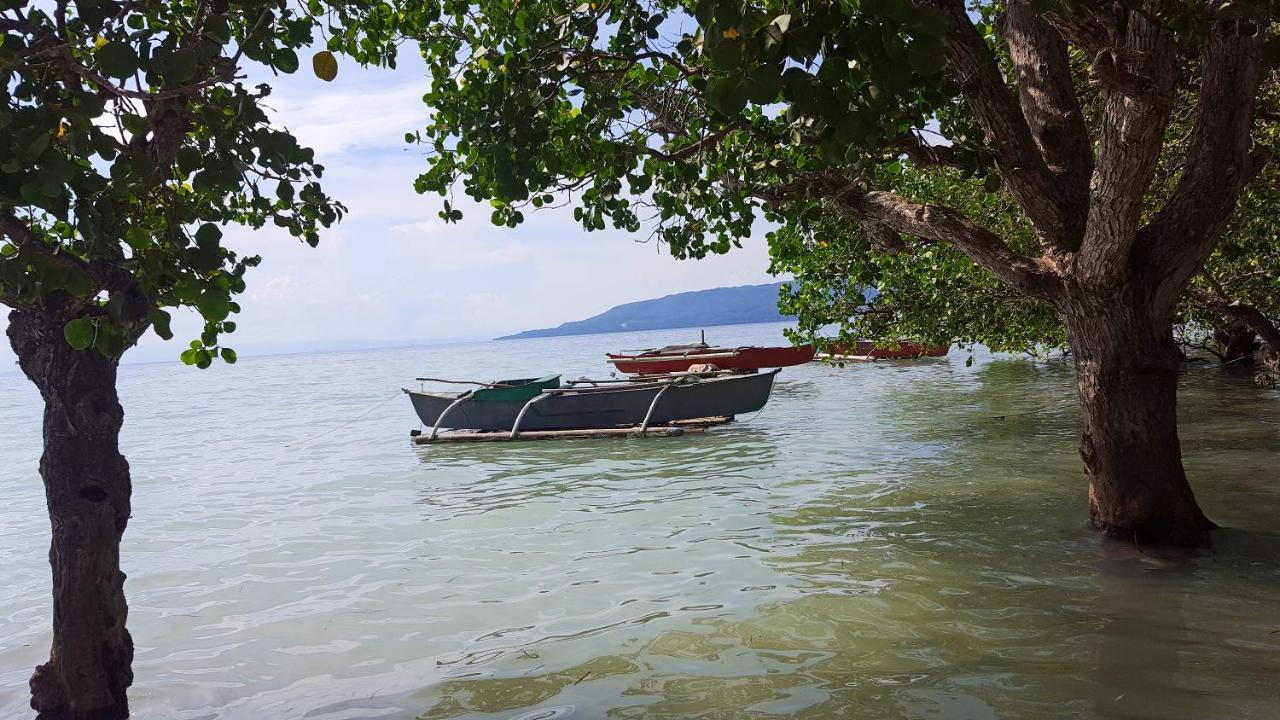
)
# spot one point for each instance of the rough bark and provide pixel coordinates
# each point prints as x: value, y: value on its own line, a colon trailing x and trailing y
x: 895, y: 213
x: 1046, y: 91
x: 87, y: 488
x: 1127, y: 368
x: 1137, y: 82
x: 1023, y: 169
x: 1221, y: 160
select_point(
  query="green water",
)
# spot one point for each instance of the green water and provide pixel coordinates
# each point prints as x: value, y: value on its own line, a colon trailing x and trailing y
x: 887, y: 540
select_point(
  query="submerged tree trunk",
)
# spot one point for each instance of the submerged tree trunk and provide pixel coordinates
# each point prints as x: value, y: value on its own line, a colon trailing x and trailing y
x: 1127, y: 368
x: 87, y: 488
x: 1239, y: 343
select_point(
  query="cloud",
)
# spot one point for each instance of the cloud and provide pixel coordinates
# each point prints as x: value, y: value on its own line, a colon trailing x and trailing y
x: 349, y: 120
x: 393, y: 271
x: 450, y: 247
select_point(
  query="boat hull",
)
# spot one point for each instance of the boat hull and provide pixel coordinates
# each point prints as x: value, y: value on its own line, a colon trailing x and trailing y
x: 867, y: 350
x: 745, y: 358
x: 604, y: 406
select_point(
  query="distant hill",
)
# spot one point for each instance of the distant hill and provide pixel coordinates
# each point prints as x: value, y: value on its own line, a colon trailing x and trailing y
x: 701, y: 308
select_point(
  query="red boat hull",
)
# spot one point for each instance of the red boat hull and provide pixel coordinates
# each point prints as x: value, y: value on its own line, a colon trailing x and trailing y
x: 743, y: 358
x: 867, y: 350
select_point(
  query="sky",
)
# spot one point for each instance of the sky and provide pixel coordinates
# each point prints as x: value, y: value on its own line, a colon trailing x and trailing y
x: 392, y: 273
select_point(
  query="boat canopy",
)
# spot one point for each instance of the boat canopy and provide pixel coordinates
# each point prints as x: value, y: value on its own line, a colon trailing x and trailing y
x: 519, y: 390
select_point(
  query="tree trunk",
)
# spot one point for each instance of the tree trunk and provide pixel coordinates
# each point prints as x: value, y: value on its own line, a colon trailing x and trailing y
x: 1127, y: 372
x: 1239, y: 343
x: 87, y: 488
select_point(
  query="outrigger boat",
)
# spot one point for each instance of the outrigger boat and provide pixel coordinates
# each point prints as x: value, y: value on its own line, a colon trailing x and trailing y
x: 868, y: 350
x: 679, y: 358
x: 541, y: 404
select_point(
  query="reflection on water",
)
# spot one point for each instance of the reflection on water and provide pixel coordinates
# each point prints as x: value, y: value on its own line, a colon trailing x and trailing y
x: 898, y: 540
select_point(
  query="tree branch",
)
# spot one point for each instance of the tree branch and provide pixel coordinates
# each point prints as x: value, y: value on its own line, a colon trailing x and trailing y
x: 1048, y: 98
x: 1220, y: 159
x: 1023, y: 169
x: 1245, y: 313
x: 25, y: 239
x: 694, y: 148
x: 926, y: 155
x: 1137, y: 81
x: 1090, y: 26
x: 893, y: 213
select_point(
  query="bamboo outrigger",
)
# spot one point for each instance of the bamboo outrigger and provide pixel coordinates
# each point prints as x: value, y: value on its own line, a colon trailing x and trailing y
x: 675, y: 429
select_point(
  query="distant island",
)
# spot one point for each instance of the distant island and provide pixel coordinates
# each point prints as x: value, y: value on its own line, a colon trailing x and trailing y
x: 700, y: 308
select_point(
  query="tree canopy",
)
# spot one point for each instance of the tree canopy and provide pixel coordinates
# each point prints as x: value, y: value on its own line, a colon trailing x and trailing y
x: 939, y: 295
x: 1037, y: 140
x: 701, y: 118
x: 131, y: 137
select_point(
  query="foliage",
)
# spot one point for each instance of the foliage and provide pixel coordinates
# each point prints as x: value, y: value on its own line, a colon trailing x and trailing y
x: 131, y: 139
x: 645, y: 114
x: 936, y: 295
x: 701, y: 118
x: 1245, y: 266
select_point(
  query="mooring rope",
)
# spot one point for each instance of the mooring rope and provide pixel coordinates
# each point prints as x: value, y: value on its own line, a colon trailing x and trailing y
x: 339, y: 427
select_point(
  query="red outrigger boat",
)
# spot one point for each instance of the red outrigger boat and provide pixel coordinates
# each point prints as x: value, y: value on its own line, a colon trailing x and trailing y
x: 679, y: 358
x: 868, y: 350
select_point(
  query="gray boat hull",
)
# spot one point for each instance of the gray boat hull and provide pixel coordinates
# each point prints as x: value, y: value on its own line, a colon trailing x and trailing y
x: 604, y: 406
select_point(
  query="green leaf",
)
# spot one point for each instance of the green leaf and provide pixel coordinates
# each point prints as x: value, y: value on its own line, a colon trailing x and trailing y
x: 765, y: 84
x: 117, y: 59
x: 79, y: 333
x: 109, y: 341
x: 324, y: 65
x: 37, y: 146
x: 286, y: 61
x: 727, y: 95
x: 160, y: 323
x: 135, y: 124
x: 218, y: 29
x: 214, y: 305
x: 725, y: 53
x: 228, y: 356
x: 178, y: 67
x: 208, y: 234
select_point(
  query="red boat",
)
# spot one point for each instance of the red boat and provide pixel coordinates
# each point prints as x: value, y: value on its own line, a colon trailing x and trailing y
x: 868, y: 350
x: 679, y: 358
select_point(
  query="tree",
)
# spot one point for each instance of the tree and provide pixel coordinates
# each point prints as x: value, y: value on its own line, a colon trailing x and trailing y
x: 1232, y: 309
x: 936, y: 295
x: 705, y: 116
x: 1235, y: 302
x: 129, y: 138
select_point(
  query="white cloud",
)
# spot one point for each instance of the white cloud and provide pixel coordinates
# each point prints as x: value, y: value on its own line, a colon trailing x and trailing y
x: 440, y: 246
x: 348, y: 119
x: 393, y: 271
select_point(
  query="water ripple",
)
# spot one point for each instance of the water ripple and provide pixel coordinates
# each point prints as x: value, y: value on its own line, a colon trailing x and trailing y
x: 884, y: 540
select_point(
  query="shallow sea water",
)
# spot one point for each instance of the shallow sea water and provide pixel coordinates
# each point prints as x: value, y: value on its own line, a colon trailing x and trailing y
x: 884, y: 540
